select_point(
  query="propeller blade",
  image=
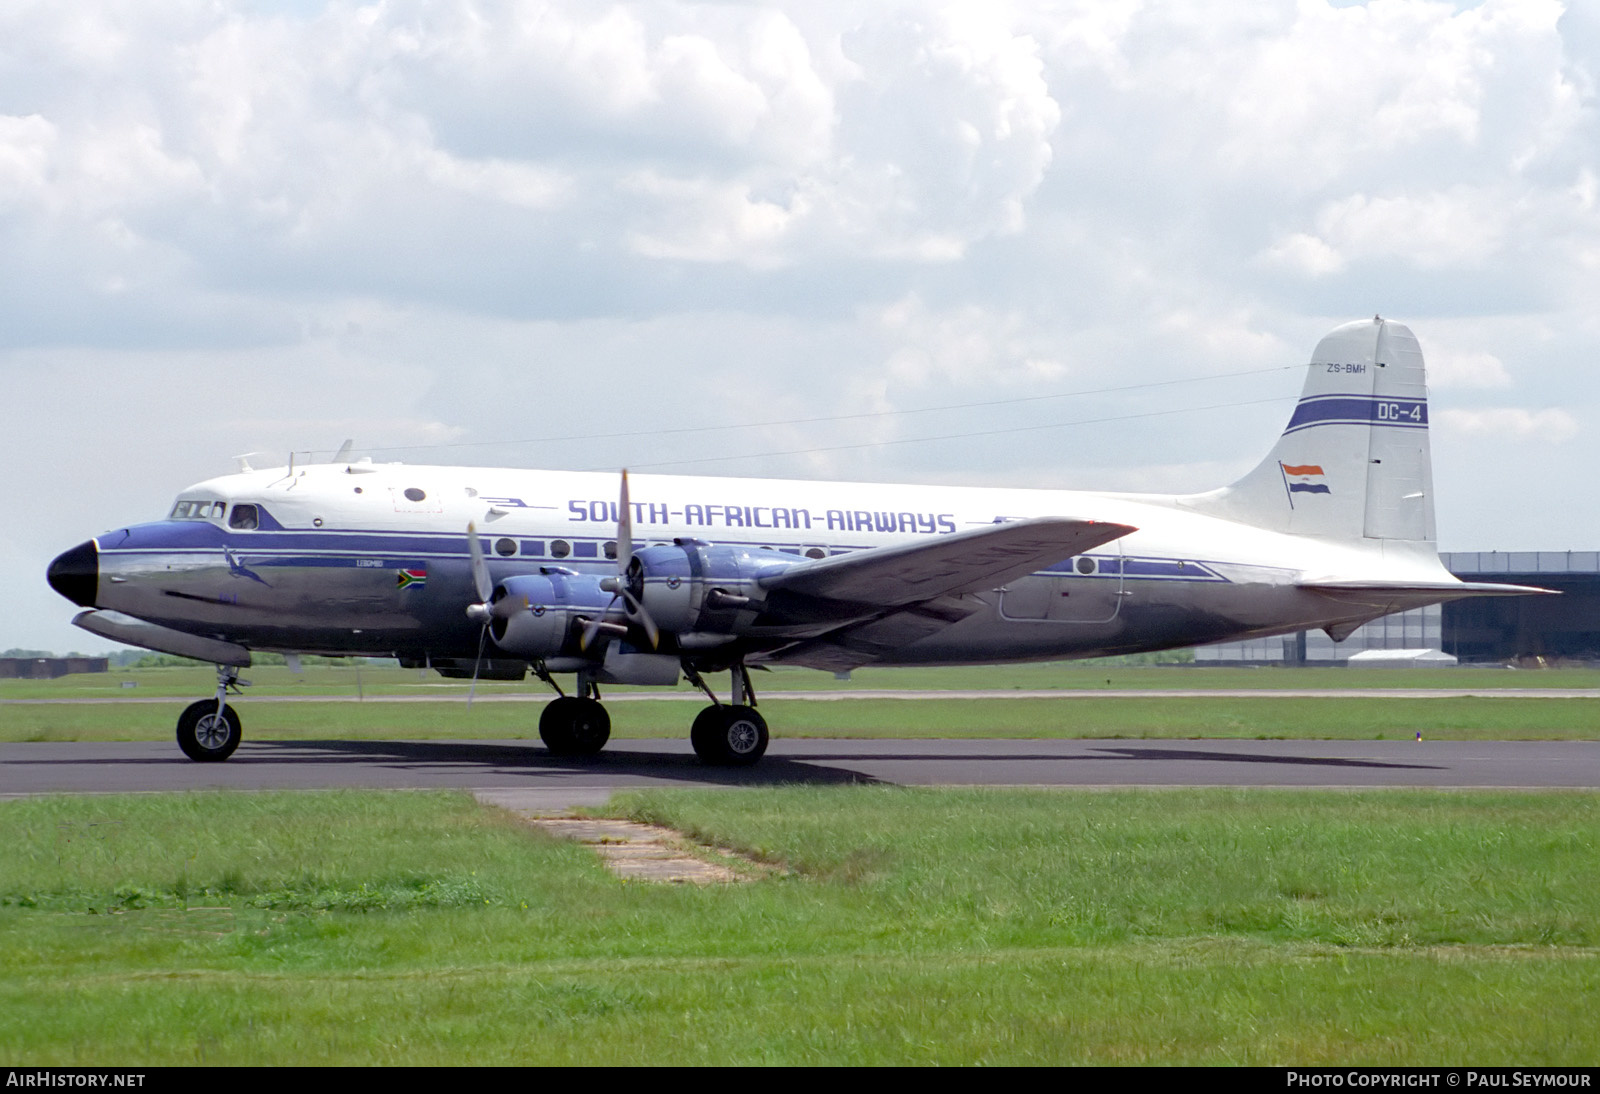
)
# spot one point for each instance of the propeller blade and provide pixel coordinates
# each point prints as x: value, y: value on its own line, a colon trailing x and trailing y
x: 476, y: 664
x: 592, y: 627
x: 637, y: 613
x: 624, y: 529
x: 480, y: 568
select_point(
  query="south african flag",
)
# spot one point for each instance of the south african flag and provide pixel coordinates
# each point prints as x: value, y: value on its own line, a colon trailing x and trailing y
x: 404, y: 579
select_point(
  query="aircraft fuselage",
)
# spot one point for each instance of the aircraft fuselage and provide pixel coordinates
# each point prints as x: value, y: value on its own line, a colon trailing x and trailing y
x: 346, y: 563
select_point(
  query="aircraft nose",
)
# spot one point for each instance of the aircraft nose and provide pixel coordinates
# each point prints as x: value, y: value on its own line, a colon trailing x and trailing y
x: 76, y: 574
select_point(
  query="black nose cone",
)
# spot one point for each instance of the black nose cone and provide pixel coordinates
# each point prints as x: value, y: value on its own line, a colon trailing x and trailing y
x: 76, y: 574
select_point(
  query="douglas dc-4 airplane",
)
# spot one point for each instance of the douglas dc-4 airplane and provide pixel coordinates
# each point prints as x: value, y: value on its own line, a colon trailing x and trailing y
x: 681, y: 576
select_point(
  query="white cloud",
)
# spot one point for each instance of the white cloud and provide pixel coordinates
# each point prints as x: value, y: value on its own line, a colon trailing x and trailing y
x: 962, y: 346
x: 1470, y: 368
x: 1433, y: 231
x: 710, y: 222
x: 1550, y: 426
x: 1305, y: 254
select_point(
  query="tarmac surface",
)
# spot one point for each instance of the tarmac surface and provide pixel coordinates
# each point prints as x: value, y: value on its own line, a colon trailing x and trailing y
x: 525, y: 776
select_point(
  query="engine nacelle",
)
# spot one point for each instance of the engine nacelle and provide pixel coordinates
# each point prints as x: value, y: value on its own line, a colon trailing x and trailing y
x: 690, y: 588
x: 546, y: 629
x: 694, y: 586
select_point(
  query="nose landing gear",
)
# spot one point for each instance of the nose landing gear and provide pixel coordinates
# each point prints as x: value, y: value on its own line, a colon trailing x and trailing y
x: 209, y: 730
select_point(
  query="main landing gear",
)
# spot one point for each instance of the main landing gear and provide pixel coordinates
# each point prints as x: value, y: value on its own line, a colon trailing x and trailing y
x: 724, y: 734
x: 208, y: 731
x: 574, y: 726
x: 731, y: 735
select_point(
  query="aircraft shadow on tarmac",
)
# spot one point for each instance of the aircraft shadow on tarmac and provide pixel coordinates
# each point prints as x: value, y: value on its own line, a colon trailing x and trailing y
x: 1168, y: 754
x: 533, y: 759
x: 1246, y: 758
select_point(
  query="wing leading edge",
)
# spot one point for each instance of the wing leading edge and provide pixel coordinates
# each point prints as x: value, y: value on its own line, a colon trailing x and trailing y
x: 962, y: 562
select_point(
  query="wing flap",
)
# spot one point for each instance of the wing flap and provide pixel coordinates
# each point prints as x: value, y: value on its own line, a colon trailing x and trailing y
x: 857, y: 644
x: 961, y: 562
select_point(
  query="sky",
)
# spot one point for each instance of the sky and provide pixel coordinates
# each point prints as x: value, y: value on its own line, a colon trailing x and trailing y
x: 774, y: 239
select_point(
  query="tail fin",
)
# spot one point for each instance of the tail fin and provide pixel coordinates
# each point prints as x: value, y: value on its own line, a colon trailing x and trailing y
x: 1353, y: 461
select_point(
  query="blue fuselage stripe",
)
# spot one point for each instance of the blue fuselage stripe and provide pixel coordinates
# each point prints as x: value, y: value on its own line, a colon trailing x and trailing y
x: 337, y: 548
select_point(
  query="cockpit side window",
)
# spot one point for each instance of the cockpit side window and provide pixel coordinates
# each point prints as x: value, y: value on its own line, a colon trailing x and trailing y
x: 245, y: 518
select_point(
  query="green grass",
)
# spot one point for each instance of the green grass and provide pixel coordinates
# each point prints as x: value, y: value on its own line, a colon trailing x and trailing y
x: 913, y: 926
x: 1464, y: 718
x: 329, y: 705
x: 347, y: 681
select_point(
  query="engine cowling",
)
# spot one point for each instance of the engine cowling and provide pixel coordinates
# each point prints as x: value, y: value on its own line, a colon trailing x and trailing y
x: 554, y: 602
x: 692, y: 587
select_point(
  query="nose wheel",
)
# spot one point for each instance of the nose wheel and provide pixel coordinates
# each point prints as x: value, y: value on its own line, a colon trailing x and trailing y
x: 209, y: 731
x: 206, y: 734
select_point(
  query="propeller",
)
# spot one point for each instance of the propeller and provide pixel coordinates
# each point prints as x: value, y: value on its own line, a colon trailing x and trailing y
x: 487, y: 609
x: 618, y: 584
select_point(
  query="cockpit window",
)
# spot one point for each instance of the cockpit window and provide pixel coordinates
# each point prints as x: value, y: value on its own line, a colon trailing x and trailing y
x: 244, y: 517
x: 192, y: 509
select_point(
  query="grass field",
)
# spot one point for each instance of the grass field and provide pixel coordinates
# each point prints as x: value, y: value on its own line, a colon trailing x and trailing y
x: 330, y: 702
x: 374, y: 680
x: 1249, y: 718
x: 910, y: 926
x: 906, y: 926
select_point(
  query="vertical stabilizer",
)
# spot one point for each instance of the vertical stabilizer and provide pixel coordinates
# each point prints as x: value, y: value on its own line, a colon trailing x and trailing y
x: 1353, y: 461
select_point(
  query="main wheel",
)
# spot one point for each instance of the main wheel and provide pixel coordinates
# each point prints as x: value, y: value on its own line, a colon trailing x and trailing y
x: 571, y: 726
x: 204, y: 736
x: 730, y: 736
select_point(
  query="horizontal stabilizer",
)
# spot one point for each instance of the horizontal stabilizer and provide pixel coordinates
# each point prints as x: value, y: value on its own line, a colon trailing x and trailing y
x: 1399, y: 596
x: 963, y: 562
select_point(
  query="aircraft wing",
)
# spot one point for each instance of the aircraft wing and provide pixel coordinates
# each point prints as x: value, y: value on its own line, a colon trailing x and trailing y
x: 962, y: 562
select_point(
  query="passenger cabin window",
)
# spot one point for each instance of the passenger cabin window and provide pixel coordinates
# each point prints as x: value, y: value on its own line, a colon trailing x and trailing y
x: 245, y: 518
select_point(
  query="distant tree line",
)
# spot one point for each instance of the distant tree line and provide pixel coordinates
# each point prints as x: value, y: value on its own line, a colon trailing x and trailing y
x: 144, y: 659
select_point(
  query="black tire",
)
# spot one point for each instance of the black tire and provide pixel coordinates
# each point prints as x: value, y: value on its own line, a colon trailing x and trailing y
x: 730, y: 736
x: 203, y: 736
x: 571, y: 726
